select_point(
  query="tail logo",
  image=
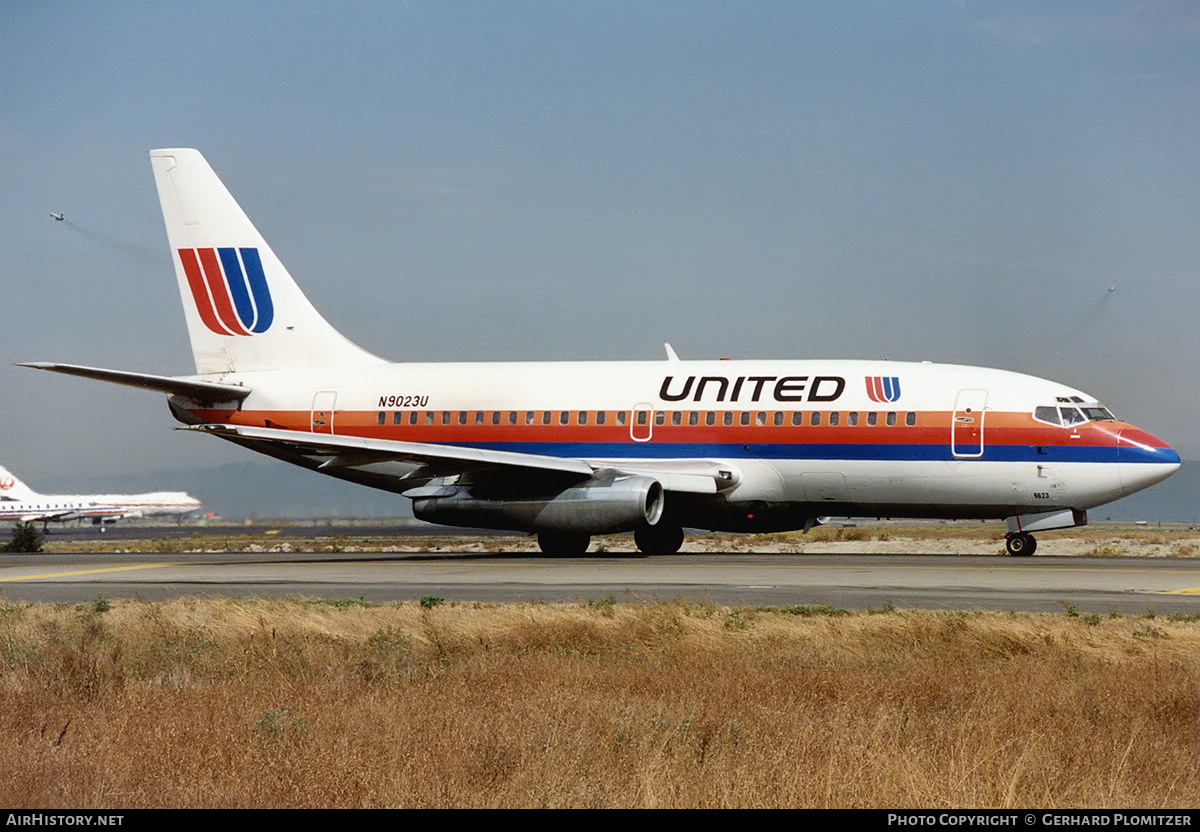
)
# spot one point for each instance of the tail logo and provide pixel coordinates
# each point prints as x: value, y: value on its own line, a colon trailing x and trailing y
x: 230, y: 289
x: 883, y: 389
x: 7, y: 483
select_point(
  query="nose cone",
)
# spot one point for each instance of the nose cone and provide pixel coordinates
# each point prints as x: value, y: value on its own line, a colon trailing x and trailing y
x: 1143, y: 460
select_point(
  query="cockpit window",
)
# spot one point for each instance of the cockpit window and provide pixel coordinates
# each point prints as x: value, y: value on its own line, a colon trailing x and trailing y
x: 1046, y: 414
x: 1068, y: 413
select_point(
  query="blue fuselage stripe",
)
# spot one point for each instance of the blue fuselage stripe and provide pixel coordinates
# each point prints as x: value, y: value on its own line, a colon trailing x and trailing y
x: 850, y: 452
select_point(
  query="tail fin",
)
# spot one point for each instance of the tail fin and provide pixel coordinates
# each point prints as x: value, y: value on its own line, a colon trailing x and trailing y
x: 244, y: 311
x: 13, y: 488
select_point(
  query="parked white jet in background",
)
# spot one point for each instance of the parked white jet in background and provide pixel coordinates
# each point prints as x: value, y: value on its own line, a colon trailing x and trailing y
x: 20, y: 502
x: 573, y: 449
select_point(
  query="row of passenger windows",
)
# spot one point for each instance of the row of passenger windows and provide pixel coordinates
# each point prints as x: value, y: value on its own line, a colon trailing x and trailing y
x: 777, y: 418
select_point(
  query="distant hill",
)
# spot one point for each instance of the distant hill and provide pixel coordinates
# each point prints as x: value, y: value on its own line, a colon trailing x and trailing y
x: 277, y: 490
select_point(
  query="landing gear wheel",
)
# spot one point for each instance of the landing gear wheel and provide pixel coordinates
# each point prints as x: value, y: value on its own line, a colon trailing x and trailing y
x: 1020, y: 545
x: 663, y: 539
x: 564, y: 544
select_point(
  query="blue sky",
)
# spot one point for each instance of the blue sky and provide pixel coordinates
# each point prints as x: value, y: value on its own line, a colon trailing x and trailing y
x: 951, y: 181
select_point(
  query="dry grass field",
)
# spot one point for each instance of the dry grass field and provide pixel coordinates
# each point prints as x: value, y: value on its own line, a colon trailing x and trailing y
x: 342, y: 704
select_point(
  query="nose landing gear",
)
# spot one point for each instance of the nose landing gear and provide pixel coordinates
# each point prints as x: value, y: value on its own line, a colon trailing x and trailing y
x: 1020, y: 545
x: 1020, y: 542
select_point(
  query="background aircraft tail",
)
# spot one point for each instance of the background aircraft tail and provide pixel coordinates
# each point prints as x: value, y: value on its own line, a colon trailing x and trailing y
x: 12, y: 487
x: 244, y: 311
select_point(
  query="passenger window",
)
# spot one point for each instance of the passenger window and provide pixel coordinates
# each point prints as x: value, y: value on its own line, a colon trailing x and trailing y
x: 852, y: 418
x: 710, y: 418
x: 429, y: 417
x: 694, y: 418
x: 620, y: 417
x: 462, y: 417
x: 835, y: 417
x: 412, y: 418
x: 745, y: 417
x: 815, y: 419
x: 530, y: 416
x: 582, y: 417
x: 891, y: 420
x: 677, y: 418
x: 910, y: 419
x: 778, y: 418
x: 600, y: 417
x: 660, y: 417
x: 495, y: 417
x: 382, y: 418
x: 546, y: 417
x: 564, y: 418
x: 872, y: 419
x: 728, y: 417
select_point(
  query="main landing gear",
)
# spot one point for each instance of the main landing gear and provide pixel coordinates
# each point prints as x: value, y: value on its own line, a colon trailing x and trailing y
x: 1020, y: 544
x: 564, y: 544
x: 661, y: 539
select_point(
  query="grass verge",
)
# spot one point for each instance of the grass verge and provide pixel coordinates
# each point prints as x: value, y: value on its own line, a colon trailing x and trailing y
x: 598, y: 704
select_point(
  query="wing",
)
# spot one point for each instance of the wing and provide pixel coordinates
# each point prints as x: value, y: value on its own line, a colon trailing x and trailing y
x: 413, y: 464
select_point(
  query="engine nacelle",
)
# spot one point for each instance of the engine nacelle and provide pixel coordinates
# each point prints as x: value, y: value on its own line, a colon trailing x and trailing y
x: 607, y: 506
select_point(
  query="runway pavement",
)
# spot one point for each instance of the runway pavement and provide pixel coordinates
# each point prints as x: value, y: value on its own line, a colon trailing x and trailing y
x: 1127, y: 585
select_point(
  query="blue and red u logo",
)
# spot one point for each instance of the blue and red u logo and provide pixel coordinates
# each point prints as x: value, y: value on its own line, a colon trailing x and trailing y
x: 883, y: 389
x: 229, y: 288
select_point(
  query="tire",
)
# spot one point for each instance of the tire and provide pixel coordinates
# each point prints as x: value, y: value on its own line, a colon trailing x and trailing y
x: 564, y: 544
x: 1020, y: 545
x: 658, y: 540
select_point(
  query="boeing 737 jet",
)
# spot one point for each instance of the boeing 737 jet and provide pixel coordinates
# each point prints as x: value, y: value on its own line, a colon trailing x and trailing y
x: 20, y: 502
x: 574, y: 449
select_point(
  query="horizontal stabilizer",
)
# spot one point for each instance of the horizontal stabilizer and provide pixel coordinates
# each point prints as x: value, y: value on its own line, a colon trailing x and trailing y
x: 204, y: 391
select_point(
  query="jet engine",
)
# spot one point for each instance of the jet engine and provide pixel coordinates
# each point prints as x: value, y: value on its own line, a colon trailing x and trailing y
x: 597, y: 506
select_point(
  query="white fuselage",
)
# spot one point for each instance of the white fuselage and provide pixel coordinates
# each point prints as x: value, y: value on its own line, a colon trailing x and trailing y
x: 838, y: 437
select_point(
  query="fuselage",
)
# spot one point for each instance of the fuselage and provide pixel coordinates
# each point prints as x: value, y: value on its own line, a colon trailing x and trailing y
x: 860, y: 438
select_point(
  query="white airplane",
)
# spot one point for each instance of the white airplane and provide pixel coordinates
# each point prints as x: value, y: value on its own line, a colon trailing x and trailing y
x: 58, y: 217
x: 574, y: 449
x: 20, y: 502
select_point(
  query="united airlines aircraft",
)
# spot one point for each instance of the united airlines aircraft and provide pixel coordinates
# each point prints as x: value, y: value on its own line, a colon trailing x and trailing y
x: 573, y: 449
x: 20, y: 502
